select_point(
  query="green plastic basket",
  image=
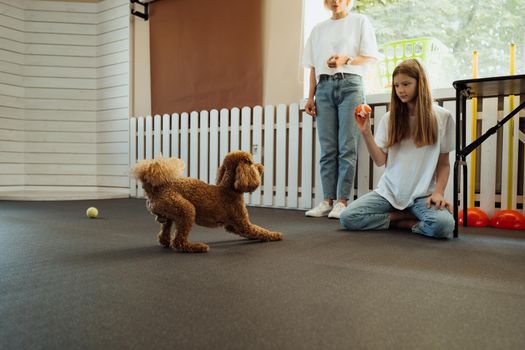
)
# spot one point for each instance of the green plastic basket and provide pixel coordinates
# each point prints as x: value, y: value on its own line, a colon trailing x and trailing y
x: 429, y: 50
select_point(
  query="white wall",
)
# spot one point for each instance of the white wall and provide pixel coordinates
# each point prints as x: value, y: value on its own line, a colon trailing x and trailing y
x: 12, y: 92
x: 113, y: 89
x: 141, y: 85
x: 64, y: 124
x: 282, y: 47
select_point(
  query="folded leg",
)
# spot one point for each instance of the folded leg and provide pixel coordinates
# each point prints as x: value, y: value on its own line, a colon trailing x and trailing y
x: 182, y: 213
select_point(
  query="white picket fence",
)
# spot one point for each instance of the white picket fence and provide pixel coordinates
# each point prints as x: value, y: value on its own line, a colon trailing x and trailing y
x: 283, y: 138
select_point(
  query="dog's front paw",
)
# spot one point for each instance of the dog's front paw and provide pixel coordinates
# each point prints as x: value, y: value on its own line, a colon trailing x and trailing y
x: 275, y: 236
x: 270, y: 236
x: 163, y: 240
x: 190, y: 247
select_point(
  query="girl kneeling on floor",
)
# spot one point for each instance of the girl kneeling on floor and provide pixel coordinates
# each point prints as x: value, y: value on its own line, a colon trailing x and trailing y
x: 413, y: 141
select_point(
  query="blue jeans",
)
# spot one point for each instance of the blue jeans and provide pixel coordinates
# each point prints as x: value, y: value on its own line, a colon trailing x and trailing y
x: 371, y: 212
x: 335, y: 101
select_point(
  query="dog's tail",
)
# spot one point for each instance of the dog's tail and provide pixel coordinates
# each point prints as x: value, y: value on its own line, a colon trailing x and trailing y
x: 158, y: 171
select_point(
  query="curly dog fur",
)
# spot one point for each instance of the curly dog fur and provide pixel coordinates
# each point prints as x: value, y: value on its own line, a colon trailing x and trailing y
x: 184, y: 201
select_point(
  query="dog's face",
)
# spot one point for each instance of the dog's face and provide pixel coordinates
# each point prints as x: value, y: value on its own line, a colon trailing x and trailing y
x: 240, y: 172
x: 158, y: 171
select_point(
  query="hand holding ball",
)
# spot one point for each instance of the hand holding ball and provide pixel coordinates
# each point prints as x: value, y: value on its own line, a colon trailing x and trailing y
x: 361, y: 114
x: 92, y: 212
x: 363, y: 111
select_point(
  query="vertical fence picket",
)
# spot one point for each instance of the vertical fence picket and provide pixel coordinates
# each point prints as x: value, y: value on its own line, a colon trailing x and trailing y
x: 203, y: 149
x: 166, y: 136
x: 224, y: 137
x: 245, y: 129
x: 487, y: 197
x: 293, y: 156
x: 175, y: 135
x: 214, y: 144
x: 256, y: 148
x: 157, y: 136
x: 132, y: 154
x: 184, y: 127
x: 149, y: 137
x: 141, y: 135
x: 509, y: 194
x: 505, y: 160
x: 515, y: 160
x: 307, y: 138
x: 269, y: 117
x: 280, y: 161
x: 194, y: 145
x: 245, y: 138
x: 468, y: 140
x: 234, y: 129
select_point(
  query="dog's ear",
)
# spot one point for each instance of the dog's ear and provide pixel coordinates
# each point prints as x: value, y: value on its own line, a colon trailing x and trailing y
x: 247, y: 177
x: 221, y: 175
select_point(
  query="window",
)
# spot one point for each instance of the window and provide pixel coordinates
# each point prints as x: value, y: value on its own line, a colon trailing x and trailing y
x: 445, y: 32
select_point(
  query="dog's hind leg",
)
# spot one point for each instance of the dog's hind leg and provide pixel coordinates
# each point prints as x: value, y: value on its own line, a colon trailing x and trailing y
x: 183, y: 214
x: 164, y: 236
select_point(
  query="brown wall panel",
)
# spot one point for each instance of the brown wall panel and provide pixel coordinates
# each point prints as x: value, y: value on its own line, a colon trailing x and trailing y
x: 205, y: 54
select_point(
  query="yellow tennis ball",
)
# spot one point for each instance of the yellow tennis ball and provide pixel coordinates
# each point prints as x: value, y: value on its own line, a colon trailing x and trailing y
x: 92, y: 212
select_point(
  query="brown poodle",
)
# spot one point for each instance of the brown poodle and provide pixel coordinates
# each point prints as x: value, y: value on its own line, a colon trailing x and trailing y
x: 184, y: 201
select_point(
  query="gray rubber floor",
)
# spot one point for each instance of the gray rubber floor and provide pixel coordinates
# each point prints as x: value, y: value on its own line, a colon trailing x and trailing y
x: 69, y: 282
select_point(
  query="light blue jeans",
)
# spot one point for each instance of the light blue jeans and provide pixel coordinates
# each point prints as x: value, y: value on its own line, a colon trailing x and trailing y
x: 371, y: 212
x: 335, y: 101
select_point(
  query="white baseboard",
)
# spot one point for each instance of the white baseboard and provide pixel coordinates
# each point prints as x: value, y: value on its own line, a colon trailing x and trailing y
x: 58, y: 193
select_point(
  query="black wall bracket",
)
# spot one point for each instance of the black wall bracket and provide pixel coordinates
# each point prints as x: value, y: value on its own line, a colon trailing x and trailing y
x: 145, y: 5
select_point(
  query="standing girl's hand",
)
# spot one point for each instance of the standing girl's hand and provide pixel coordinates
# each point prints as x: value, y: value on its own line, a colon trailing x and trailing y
x: 309, y: 108
x: 337, y: 61
x: 439, y: 201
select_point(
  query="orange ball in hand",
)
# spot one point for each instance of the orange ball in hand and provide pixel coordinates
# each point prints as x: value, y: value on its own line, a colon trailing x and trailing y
x: 363, y: 111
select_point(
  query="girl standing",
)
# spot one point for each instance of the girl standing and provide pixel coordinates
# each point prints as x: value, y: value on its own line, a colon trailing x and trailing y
x: 336, y: 53
x: 413, y: 140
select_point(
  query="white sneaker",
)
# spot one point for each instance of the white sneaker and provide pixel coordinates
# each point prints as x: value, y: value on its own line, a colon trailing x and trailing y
x: 321, y: 210
x: 336, y: 212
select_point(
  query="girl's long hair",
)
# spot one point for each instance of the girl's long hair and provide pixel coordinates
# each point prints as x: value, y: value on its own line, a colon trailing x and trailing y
x: 424, y: 131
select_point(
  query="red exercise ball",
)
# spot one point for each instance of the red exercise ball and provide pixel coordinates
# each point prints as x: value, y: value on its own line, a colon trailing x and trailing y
x: 508, y: 219
x: 475, y: 217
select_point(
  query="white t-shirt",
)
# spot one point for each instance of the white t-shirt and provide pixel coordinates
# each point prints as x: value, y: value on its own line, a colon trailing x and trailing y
x: 410, y: 170
x: 352, y: 36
